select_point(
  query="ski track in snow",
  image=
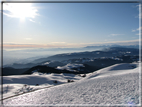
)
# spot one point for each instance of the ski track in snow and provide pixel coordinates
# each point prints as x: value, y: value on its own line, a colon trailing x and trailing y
x: 106, y: 88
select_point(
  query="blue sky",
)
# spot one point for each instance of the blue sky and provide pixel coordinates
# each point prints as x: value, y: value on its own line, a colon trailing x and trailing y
x: 47, y: 25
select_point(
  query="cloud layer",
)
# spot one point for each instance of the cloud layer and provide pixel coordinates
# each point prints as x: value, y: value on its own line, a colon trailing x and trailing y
x: 63, y: 44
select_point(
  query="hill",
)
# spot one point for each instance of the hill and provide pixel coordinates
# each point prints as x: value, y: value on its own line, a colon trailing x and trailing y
x: 116, y: 85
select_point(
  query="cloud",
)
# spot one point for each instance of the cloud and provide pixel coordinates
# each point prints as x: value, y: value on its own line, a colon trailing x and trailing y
x: 111, y: 35
x: 23, y: 45
x: 116, y: 34
x: 140, y: 28
x: 12, y: 45
x: 129, y: 42
x: 134, y: 30
x: 28, y: 38
x: 139, y: 15
x: 8, y: 14
x: 107, y: 41
x: 8, y: 43
x: 31, y: 20
x: 137, y: 34
x: 58, y: 42
x: 68, y: 45
x: 139, y: 7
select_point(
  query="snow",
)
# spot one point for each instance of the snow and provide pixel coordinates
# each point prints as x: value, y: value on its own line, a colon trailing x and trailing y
x: 128, y: 52
x: 70, y: 67
x: 34, y: 71
x: 46, y: 63
x: 117, y: 85
x: 12, y: 84
x: 117, y: 69
x: 116, y: 58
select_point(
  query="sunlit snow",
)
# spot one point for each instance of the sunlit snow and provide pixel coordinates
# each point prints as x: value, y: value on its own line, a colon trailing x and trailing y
x: 69, y: 67
x: 114, y: 85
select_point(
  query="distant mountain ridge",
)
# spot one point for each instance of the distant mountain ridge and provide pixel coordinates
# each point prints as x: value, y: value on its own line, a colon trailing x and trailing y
x: 58, y: 58
x: 46, y: 69
x: 109, y: 52
x: 110, y: 46
x: 93, y: 61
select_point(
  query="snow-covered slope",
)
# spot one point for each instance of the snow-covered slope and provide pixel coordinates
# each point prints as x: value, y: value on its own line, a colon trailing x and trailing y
x: 116, y: 85
x: 117, y: 69
x: 15, y: 83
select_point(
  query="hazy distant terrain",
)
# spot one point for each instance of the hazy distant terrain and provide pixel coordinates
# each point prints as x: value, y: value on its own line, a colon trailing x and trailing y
x: 92, y: 60
x: 29, y: 55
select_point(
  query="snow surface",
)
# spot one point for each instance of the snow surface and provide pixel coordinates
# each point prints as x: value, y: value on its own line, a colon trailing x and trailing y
x: 70, y: 67
x: 114, y: 85
x: 14, y: 83
x: 46, y: 63
x: 117, y: 69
